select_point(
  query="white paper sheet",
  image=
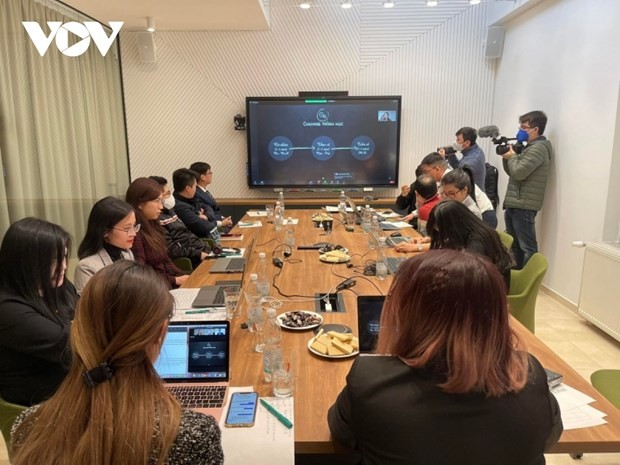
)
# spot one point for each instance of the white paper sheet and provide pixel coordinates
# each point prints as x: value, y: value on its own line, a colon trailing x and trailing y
x: 255, y: 213
x: 290, y: 221
x: 574, y: 408
x: 268, y: 442
x: 250, y: 224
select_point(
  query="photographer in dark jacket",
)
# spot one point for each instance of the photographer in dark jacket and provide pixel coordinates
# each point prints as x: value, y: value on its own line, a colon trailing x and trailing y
x: 181, y: 241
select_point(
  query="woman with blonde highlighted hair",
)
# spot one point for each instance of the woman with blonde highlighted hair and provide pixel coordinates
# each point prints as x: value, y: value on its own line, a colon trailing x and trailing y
x: 449, y: 383
x: 112, y: 407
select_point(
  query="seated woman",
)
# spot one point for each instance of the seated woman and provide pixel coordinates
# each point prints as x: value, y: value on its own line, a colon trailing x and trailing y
x: 113, y: 407
x: 149, y: 246
x: 109, y: 236
x: 452, y: 225
x: 37, y: 305
x: 450, y: 384
x: 459, y: 185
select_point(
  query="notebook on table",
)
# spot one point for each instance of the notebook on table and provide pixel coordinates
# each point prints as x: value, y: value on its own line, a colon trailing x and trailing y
x: 369, y: 309
x: 194, y: 363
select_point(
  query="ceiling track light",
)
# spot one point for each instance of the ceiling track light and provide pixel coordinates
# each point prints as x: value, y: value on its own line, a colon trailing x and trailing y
x: 346, y: 5
x: 432, y: 3
x: 388, y: 4
x: 150, y: 24
x: 304, y: 5
x: 474, y: 2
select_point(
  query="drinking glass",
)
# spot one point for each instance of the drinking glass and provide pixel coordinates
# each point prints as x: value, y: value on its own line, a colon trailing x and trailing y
x: 269, y: 209
x: 231, y: 299
x: 255, y: 321
x: 381, y: 270
x: 283, y: 382
x: 351, y: 220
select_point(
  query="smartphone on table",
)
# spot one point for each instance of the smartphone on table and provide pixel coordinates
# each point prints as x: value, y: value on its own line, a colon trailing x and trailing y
x: 242, y: 409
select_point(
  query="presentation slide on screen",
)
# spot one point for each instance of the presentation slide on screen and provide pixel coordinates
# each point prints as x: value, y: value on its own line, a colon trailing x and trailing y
x: 323, y: 144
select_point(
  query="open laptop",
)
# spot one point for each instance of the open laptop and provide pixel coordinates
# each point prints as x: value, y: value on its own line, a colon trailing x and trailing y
x: 231, y: 265
x: 213, y: 296
x: 369, y: 309
x: 194, y: 362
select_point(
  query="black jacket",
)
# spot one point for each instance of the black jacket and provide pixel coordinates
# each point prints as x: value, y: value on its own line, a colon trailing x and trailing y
x: 35, y: 354
x: 181, y: 241
x: 188, y: 211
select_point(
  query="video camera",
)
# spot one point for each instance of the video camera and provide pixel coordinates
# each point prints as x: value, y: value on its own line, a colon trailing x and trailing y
x: 448, y: 149
x: 503, y: 145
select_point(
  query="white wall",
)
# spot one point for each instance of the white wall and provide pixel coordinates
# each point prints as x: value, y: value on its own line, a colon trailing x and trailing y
x: 561, y: 57
x: 180, y: 109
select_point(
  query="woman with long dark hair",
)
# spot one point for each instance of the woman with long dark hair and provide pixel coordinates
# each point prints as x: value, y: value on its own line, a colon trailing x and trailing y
x: 149, y: 246
x: 450, y: 382
x: 113, y: 408
x: 37, y: 305
x: 451, y: 225
x: 109, y: 237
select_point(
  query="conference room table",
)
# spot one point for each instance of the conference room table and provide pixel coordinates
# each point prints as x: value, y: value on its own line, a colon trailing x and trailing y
x: 319, y: 380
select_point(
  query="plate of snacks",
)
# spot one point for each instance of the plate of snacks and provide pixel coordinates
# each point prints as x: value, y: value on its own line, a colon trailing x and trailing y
x: 299, y: 320
x: 331, y: 344
x: 335, y: 256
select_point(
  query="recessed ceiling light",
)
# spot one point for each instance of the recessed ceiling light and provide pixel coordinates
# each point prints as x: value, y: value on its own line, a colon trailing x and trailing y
x: 432, y: 3
x: 388, y: 4
x: 304, y: 5
x: 346, y: 5
x: 150, y: 24
x: 474, y: 2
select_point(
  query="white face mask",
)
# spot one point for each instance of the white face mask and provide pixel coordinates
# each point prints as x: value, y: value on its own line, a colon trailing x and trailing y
x: 458, y: 147
x: 169, y: 203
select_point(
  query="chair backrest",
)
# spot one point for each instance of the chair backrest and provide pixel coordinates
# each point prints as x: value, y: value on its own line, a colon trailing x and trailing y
x: 524, y: 285
x: 8, y: 414
x: 506, y: 239
x: 607, y: 382
x: 184, y: 264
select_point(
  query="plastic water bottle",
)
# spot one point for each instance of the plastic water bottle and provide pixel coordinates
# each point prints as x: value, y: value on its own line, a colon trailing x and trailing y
x: 290, y: 233
x: 262, y: 283
x: 272, y: 352
x: 366, y: 219
x: 342, y: 207
x: 374, y: 233
x: 281, y: 200
x: 278, y: 213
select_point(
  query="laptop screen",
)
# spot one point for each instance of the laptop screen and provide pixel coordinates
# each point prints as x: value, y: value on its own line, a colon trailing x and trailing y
x: 368, y: 317
x: 196, y: 351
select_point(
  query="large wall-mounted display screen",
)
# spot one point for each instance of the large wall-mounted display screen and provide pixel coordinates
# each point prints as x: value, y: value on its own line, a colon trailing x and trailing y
x: 323, y: 142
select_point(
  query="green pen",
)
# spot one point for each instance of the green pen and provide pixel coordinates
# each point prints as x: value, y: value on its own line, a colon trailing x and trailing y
x: 281, y: 418
x: 194, y: 312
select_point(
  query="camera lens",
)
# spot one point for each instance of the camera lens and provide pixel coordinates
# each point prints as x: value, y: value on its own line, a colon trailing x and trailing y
x: 502, y: 149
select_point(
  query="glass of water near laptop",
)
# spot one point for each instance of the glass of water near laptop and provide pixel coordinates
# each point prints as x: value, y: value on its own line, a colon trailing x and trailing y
x: 231, y: 300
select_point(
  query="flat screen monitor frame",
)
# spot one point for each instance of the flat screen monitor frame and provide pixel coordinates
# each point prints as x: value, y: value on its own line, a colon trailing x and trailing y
x: 334, y: 142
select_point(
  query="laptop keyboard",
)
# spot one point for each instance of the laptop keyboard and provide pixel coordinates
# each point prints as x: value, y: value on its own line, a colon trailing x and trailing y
x: 236, y: 264
x: 199, y: 396
x: 393, y: 263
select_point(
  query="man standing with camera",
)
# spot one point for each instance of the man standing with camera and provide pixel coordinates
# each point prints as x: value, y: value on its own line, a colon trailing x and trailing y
x: 473, y: 156
x: 528, y: 173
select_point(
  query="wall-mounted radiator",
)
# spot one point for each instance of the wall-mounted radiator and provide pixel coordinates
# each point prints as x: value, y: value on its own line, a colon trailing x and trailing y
x: 599, y: 300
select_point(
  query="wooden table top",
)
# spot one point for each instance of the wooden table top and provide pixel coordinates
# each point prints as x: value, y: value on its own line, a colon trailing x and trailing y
x: 320, y: 380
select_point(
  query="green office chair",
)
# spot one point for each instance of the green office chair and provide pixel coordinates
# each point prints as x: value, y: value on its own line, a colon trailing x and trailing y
x: 184, y: 264
x: 506, y: 239
x: 524, y: 285
x: 8, y: 414
x: 607, y: 382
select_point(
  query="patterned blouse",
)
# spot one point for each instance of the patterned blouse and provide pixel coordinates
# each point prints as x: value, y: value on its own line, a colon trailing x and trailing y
x: 198, y: 441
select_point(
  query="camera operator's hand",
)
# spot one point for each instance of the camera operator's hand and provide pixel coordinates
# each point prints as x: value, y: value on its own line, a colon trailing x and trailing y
x: 404, y: 190
x: 511, y: 153
x: 442, y: 152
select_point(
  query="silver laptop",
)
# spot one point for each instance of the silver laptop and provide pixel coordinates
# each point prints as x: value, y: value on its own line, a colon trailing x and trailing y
x: 231, y: 265
x: 194, y: 362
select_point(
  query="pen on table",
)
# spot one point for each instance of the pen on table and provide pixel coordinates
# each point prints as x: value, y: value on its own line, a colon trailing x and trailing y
x: 194, y: 312
x: 246, y: 223
x: 281, y: 418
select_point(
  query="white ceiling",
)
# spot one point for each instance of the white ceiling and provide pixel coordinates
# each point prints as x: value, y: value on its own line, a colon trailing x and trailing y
x: 179, y: 15
x: 246, y: 15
